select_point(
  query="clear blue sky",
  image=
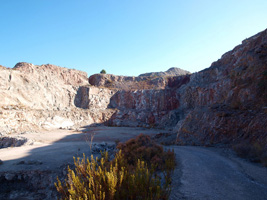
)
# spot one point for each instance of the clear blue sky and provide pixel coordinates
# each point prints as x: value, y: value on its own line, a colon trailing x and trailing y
x: 125, y: 37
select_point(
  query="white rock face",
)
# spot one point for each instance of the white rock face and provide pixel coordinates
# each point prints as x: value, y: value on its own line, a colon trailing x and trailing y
x: 47, y: 96
x: 40, y: 87
x: 58, y: 122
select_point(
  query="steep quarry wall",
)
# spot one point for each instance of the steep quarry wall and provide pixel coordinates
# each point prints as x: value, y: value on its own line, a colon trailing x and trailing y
x: 149, y: 108
x: 48, y: 96
x: 225, y: 103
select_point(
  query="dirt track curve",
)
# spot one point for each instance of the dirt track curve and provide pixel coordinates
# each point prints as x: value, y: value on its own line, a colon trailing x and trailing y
x: 209, y: 173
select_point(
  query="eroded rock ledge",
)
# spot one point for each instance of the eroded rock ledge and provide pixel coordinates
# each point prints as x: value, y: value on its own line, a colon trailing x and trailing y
x: 153, y: 80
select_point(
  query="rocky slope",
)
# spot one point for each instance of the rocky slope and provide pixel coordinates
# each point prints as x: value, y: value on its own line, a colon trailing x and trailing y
x: 174, y: 71
x: 225, y: 103
x: 153, y: 80
x: 40, y: 87
x: 48, y: 96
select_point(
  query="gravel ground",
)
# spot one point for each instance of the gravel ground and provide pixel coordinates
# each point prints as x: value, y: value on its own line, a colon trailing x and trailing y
x: 208, y: 173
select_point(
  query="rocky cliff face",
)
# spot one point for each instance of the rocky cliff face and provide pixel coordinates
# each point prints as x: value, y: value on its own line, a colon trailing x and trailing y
x: 48, y: 96
x: 147, y: 108
x: 40, y: 87
x: 225, y: 103
x: 228, y: 101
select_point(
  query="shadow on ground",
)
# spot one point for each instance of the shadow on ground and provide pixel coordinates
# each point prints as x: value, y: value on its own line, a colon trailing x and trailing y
x: 29, y: 171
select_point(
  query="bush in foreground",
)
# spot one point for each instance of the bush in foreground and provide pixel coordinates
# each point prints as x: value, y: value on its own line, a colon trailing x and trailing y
x: 120, y: 178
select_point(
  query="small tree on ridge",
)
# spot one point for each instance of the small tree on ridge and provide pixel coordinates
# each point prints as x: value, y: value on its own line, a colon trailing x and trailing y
x: 103, y: 71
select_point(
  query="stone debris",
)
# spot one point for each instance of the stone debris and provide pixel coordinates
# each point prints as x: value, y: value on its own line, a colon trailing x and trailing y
x: 6, y: 142
x: 29, y: 162
x: 102, y: 147
x: 28, y: 185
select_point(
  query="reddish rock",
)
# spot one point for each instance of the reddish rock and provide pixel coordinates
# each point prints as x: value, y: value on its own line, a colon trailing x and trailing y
x: 227, y: 102
x: 177, y: 81
x: 143, y: 107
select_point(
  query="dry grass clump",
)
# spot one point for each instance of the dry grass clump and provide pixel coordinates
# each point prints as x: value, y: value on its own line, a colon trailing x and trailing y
x: 120, y: 178
x: 255, y: 152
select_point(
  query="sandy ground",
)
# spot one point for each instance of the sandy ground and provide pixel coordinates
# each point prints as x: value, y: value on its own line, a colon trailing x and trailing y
x: 52, y: 149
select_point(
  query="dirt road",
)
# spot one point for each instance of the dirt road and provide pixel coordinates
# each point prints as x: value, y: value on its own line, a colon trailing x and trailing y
x: 206, y: 173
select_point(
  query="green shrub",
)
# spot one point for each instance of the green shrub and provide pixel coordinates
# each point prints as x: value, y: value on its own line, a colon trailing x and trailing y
x: 117, y: 179
x: 103, y: 71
